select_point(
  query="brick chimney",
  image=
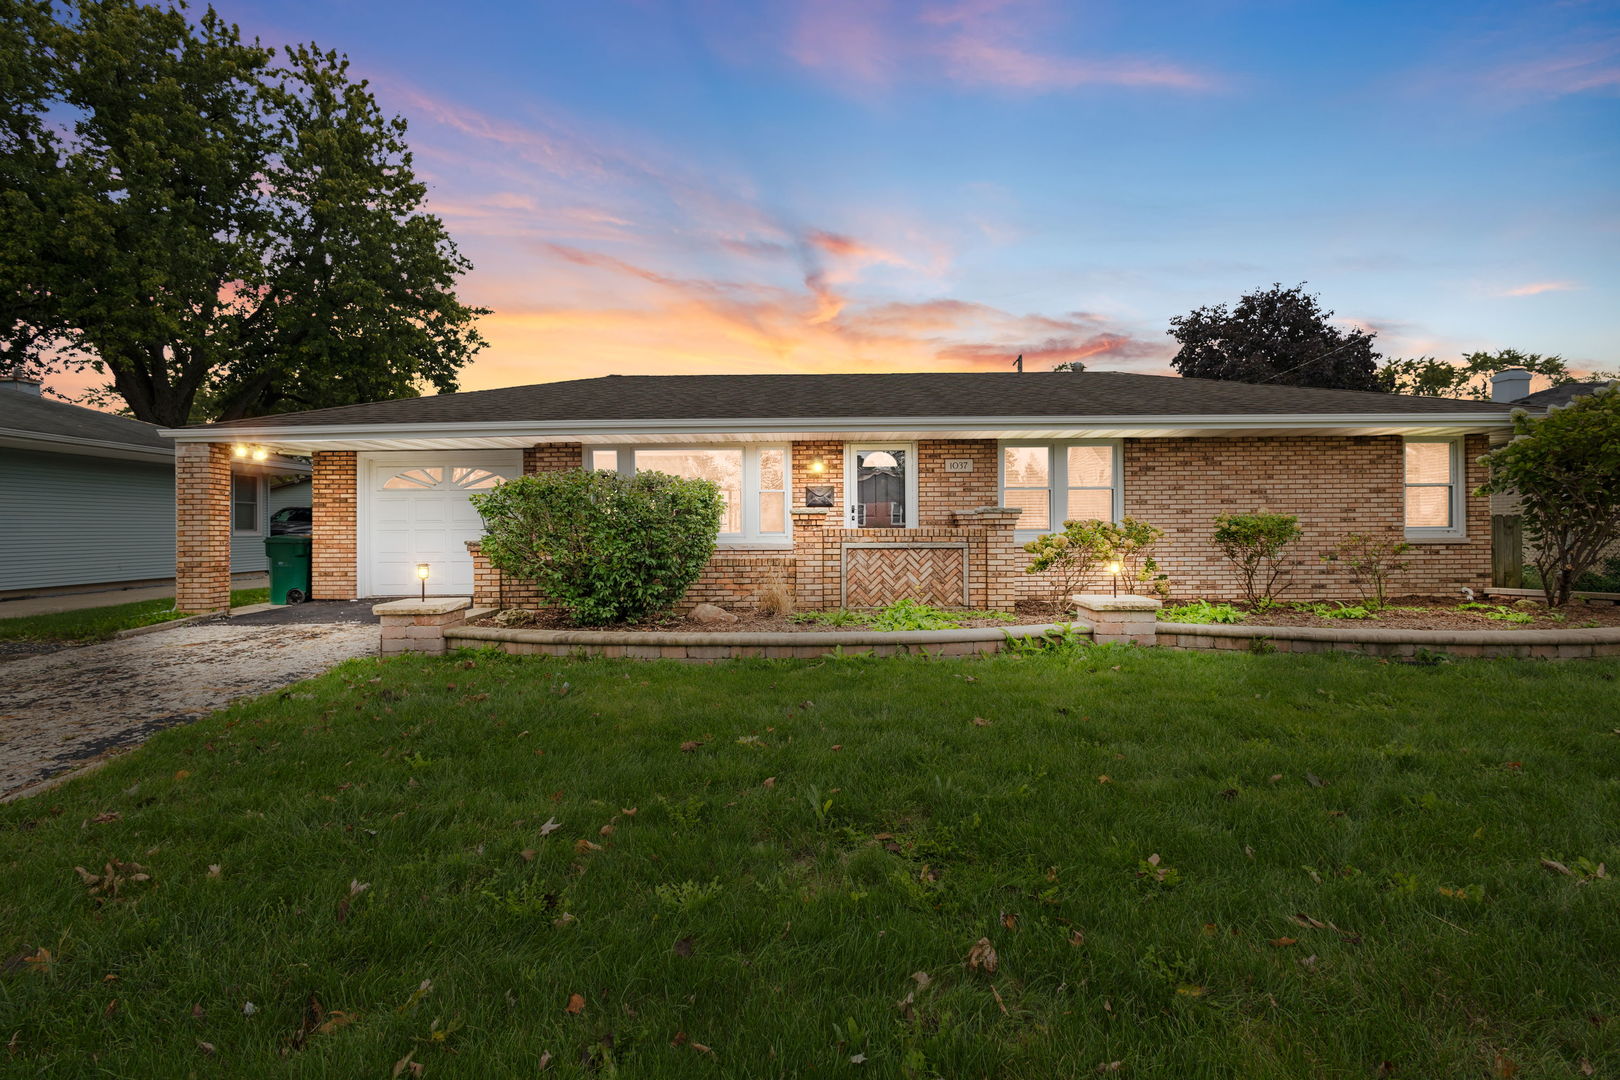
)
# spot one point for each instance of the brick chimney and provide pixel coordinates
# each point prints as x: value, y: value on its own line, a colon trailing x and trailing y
x: 20, y: 384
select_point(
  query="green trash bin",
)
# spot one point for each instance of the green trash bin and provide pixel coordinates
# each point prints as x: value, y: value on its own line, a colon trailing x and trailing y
x: 289, y: 568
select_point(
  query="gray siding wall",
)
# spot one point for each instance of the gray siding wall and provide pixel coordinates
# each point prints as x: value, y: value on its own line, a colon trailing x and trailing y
x: 68, y: 519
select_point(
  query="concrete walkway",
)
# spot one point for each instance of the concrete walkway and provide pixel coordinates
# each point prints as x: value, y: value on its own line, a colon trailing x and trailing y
x: 69, y: 708
x: 73, y: 600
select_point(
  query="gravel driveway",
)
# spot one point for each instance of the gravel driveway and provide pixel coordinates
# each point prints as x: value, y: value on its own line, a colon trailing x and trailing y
x: 67, y: 708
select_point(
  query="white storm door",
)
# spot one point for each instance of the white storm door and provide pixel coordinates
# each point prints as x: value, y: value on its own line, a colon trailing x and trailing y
x: 418, y: 512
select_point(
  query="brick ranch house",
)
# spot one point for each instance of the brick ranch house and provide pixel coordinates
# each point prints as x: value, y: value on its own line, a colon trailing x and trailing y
x: 859, y: 489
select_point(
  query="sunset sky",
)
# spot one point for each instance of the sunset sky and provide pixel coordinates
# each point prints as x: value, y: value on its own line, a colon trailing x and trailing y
x: 820, y: 185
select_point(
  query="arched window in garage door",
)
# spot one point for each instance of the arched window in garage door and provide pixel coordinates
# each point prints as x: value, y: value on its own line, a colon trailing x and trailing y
x: 420, y: 479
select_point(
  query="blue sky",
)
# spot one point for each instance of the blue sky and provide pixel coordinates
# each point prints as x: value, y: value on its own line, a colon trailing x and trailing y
x: 792, y: 185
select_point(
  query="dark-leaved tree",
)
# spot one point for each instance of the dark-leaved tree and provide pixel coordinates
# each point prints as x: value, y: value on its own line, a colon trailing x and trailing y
x: 221, y: 228
x: 1277, y: 335
x: 1471, y: 378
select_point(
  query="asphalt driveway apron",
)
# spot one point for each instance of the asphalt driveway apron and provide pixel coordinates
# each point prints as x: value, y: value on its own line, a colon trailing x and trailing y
x: 66, y: 709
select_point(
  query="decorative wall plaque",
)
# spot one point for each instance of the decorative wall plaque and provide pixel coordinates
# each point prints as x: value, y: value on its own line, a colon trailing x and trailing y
x: 958, y: 465
x: 818, y: 495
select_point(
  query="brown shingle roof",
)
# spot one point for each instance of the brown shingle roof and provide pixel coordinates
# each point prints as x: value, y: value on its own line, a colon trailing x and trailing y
x: 898, y: 396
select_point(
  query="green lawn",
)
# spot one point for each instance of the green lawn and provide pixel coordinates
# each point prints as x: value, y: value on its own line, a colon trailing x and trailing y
x: 1195, y: 865
x: 100, y: 623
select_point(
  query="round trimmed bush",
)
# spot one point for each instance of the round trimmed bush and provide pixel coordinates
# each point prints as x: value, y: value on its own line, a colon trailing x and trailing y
x: 606, y: 548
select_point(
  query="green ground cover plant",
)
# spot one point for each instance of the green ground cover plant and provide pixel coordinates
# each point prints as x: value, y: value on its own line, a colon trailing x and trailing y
x: 1228, y: 865
x: 98, y: 624
x: 900, y: 615
x: 1202, y: 612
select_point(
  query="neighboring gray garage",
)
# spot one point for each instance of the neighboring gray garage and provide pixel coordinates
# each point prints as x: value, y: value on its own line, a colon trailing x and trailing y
x: 87, y: 498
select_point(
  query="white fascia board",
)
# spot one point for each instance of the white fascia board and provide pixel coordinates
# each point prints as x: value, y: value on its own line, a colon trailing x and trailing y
x: 565, y: 429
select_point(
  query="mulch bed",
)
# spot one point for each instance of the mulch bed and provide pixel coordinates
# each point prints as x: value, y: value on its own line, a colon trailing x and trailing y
x: 1432, y: 614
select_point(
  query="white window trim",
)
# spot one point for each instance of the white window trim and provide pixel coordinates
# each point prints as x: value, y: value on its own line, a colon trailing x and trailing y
x: 1458, y: 529
x: 850, y: 449
x: 1058, y: 479
x: 750, y: 538
x: 260, y: 502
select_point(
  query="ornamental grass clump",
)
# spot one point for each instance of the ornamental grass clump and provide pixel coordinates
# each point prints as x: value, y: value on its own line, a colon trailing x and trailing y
x: 607, y: 548
x: 1255, y: 544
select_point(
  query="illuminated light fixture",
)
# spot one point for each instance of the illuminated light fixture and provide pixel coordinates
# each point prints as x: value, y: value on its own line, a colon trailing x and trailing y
x: 882, y: 459
x: 818, y: 465
x: 1113, y: 569
x: 422, y: 575
x: 260, y: 453
x: 239, y: 450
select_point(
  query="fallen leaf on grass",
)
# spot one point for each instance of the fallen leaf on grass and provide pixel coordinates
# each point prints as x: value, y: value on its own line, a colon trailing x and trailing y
x: 979, y: 721
x: 1284, y: 942
x: 838, y: 747
x: 630, y: 812
x: 683, y: 947
x: 545, y: 1060
x: 576, y: 1004
x: 606, y: 830
x: 551, y: 826
x: 1077, y: 938
x: 1314, y: 780
x: 215, y: 870
x: 1110, y: 1066
x: 770, y: 782
x: 983, y: 955
x: 1306, y: 921
x: 582, y: 846
x: 857, y: 1059
x: 528, y: 854
x: 1009, y: 920
x: 922, y: 978
x: 1190, y: 990
x: 207, y: 1048
x: 1105, y: 779
x: 690, y: 745
x: 1557, y: 867
x: 106, y: 818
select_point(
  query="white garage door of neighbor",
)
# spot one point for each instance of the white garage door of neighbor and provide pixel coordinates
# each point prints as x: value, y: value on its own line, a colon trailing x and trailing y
x: 416, y: 510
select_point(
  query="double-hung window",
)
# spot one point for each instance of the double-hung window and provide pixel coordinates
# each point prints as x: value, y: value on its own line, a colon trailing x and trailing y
x: 244, y: 504
x: 1054, y: 482
x: 753, y: 482
x: 1434, y: 495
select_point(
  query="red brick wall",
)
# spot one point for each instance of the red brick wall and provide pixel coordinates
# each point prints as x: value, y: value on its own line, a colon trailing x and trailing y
x: 1336, y: 484
x: 202, y: 518
x: 940, y: 494
x: 333, y: 507
x: 734, y: 579
x: 552, y: 457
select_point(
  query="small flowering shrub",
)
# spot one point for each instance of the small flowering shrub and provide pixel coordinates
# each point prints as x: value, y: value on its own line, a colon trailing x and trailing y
x: 1096, y: 550
x: 1255, y: 544
x: 1372, y: 559
x: 606, y: 547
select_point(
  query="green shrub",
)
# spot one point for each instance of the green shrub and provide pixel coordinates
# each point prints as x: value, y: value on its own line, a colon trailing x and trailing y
x: 1254, y: 543
x: 1201, y: 611
x: 1562, y: 467
x: 606, y: 547
x: 1372, y: 559
x: 1324, y: 610
x: 1084, y: 550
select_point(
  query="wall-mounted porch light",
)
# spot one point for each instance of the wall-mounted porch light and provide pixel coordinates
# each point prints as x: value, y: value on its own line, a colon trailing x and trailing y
x: 242, y: 452
x: 818, y: 464
x: 422, y: 575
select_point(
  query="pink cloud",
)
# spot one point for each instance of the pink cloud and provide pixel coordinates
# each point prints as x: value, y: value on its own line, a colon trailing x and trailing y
x: 1589, y: 66
x: 979, y: 43
x: 1536, y: 288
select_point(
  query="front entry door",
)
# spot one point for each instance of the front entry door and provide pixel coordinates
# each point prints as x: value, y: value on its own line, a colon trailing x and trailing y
x: 880, y: 487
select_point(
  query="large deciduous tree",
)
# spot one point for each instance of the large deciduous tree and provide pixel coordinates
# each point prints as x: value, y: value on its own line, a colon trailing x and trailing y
x: 1565, y: 469
x: 1277, y: 335
x: 1469, y: 379
x: 221, y: 228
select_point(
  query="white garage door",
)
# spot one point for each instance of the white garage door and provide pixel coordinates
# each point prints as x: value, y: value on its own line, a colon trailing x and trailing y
x: 415, y: 510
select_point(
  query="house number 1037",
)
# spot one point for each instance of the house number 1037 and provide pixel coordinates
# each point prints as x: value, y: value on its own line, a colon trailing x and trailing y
x: 958, y: 465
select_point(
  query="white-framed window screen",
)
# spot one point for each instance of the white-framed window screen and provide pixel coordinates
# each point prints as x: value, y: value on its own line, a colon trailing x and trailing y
x: 753, y: 479
x: 246, y: 504
x: 1057, y: 481
x: 1434, y: 496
